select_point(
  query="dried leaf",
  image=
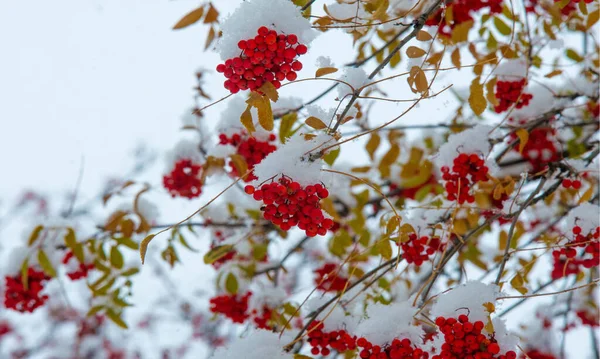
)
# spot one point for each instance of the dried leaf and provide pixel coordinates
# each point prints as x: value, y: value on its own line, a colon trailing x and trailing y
x: 210, y: 37
x: 144, y: 246
x: 501, y: 26
x: 592, y: 19
x: 315, y: 123
x: 373, y: 144
x: 476, y: 98
x: 423, y: 36
x: 116, y: 257
x: 331, y: 156
x: 455, y: 57
x: 460, y: 33
x: 191, y: 18
x: 270, y: 91
x: 325, y: 71
x: 414, y: 52
x: 523, y: 138
x: 212, y: 15
x: 239, y: 162
x: 553, y: 73
x: 490, y: 93
x: 246, y: 120
x: 573, y: 55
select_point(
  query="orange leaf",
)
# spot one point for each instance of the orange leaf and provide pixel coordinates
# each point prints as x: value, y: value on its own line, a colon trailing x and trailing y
x: 423, y: 36
x: 191, y: 18
x: 476, y: 99
x: 212, y: 15
x: 315, y: 123
x: 325, y: 71
x: 415, y: 52
x: 523, y: 138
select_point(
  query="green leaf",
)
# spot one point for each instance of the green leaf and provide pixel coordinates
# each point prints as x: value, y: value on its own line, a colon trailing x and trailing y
x: 144, y: 246
x: 25, y: 273
x: 35, y: 235
x: 501, y: 26
x: 231, y: 284
x: 217, y: 253
x: 127, y: 242
x: 285, y: 128
x: 44, y: 262
x: 185, y: 243
x: 116, y: 318
x: 131, y: 271
x: 94, y: 310
x: 573, y: 55
x: 116, y: 258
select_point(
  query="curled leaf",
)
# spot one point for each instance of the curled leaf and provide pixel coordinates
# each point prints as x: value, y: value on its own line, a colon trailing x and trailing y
x: 144, y: 246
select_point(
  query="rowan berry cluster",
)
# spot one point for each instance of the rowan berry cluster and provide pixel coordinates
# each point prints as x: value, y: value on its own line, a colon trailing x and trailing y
x: 184, y: 180
x: 288, y: 204
x: 268, y: 57
x: 22, y: 299
x: 568, y: 261
x: 323, y: 342
x: 464, y: 339
x: 418, y: 249
x: 539, y: 149
x: 233, y: 306
x: 509, y: 93
x: 82, y: 270
x: 251, y: 149
x: 462, y: 11
x: 536, y: 354
x: 328, y: 278
x: 468, y: 169
x: 261, y: 319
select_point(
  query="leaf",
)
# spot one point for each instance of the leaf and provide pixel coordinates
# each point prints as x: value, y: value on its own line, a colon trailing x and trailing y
x: 523, y: 138
x: 185, y: 243
x: 587, y: 195
x: 315, y: 123
x: 217, y: 253
x: 129, y: 272
x: 45, y: 263
x: 211, y: 15
x: 385, y: 248
x: 34, y: 235
x: 116, y: 257
x: 265, y: 113
x: 190, y: 18
x: 231, y: 284
x: 501, y: 26
x: 270, y: 91
x: 285, y: 127
x: 112, y: 315
x: 490, y: 93
x: 476, y: 99
x: 455, y: 57
x: 331, y: 156
x: 423, y: 35
x: 210, y: 37
x: 373, y: 144
x: 553, y: 73
x: 414, y: 52
x: 127, y: 242
x: 25, y: 273
x: 388, y: 159
x: 417, y: 80
x: 592, y: 19
x: 325, y: 71
x: 144, y: 246
x: 573, y: 55
x: 239, y: 163
x: 94, y: 310
x: 246, y: 120
x: 460, y: 33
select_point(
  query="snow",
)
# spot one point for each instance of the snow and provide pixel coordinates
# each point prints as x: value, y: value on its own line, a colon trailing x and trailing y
x: 266, y: 294
x: 257, y: 344
x: 292, y: 160
x: 279, y: 15
x: 230, y: 117
x: 353, y: 76
x: 324, y: 61
x: 473, y: 140
x: 386, y: 322
x: 184, y: 149
x: 543, y: 101
x: 511, y: 70
x: 586, y: 216
x: 506, y: 341
x: 471, y: 295
x: 347, y: 11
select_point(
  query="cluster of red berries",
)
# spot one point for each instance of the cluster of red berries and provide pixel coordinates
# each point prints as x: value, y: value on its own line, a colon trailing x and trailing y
x: 323, y: 342
x: 253, y: 150
x: 262, y: 318
x: 468, y: 169
x: 184, y: 180
x: 540, y: 149
x: 568, y: 183
x: 418, y: 249
x: 462, y: 11
x: 536, y: 354
x: 232, y: 306
x: 464, y: 339
x: 567, y: 261
x: 18, y: 298
x: 82, y: 270
x: 588, y: 318
x: 268, y: 57
x: 329, y: 279
x: 287, y: 204
x: 397, y: 349
x: 509, y: 93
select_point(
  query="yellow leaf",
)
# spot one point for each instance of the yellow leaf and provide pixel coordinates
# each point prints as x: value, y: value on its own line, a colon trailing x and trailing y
x: 45, y: 263
x: 592, y: 19
x: 25, y: 273
x: 435, y: 59
x: 265, y: 114
x: 34, y: 235
x: 315, y: 123
x: 391, y: 225
x: 269, y: 89
x: 116, y: 257
x: 418, y: 79
x: 246, y: 120
x: 217, y: 253
x: 489, y: 307
x: 415, y: 52
x: 476, y: 99
x: 490, y: 93
x: 523, y: 138
x: 501, y: 26
x: 455, y: 57
x: 239, y: 163
x: 553, y: 73
x: 231, y: 284
x: 325, y: 71
x: 211, y: 15
x: 144, y: 246
x: 587, y: 195
x: 388, y: 159
x: 460, y: 33
x: 191, y: 18
x: 372, y: 144
x: 285, y: 127
x: 115, y: 318
x: 385, y: 248
x: 423, y: 36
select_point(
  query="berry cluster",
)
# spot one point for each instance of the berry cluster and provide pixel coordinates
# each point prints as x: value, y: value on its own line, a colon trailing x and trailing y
x: 253, y: 150
x: 468, y: 169
x: 329, y: 279
x: 262, y: 318
x: 18, y: 298
x: 566, y: 259
x: 184, y: 180
x: 397, y: 349
x: 589, y: 318
x: 418, y: 249
x: 462, y: 11
x: 322, y: 342
x: 540, y: 149
x: 509, y: 93
x: 287, y: 204
x: 82, y: 270
x: 464, y: 339
x: 232, y: 306
x: 268, y: 57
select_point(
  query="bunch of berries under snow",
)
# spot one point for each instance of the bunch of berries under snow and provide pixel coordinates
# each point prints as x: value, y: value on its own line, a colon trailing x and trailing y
x: 463, y: 163
x: 289, y: 185
x: 184, y: 166
x: 262, y: 40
